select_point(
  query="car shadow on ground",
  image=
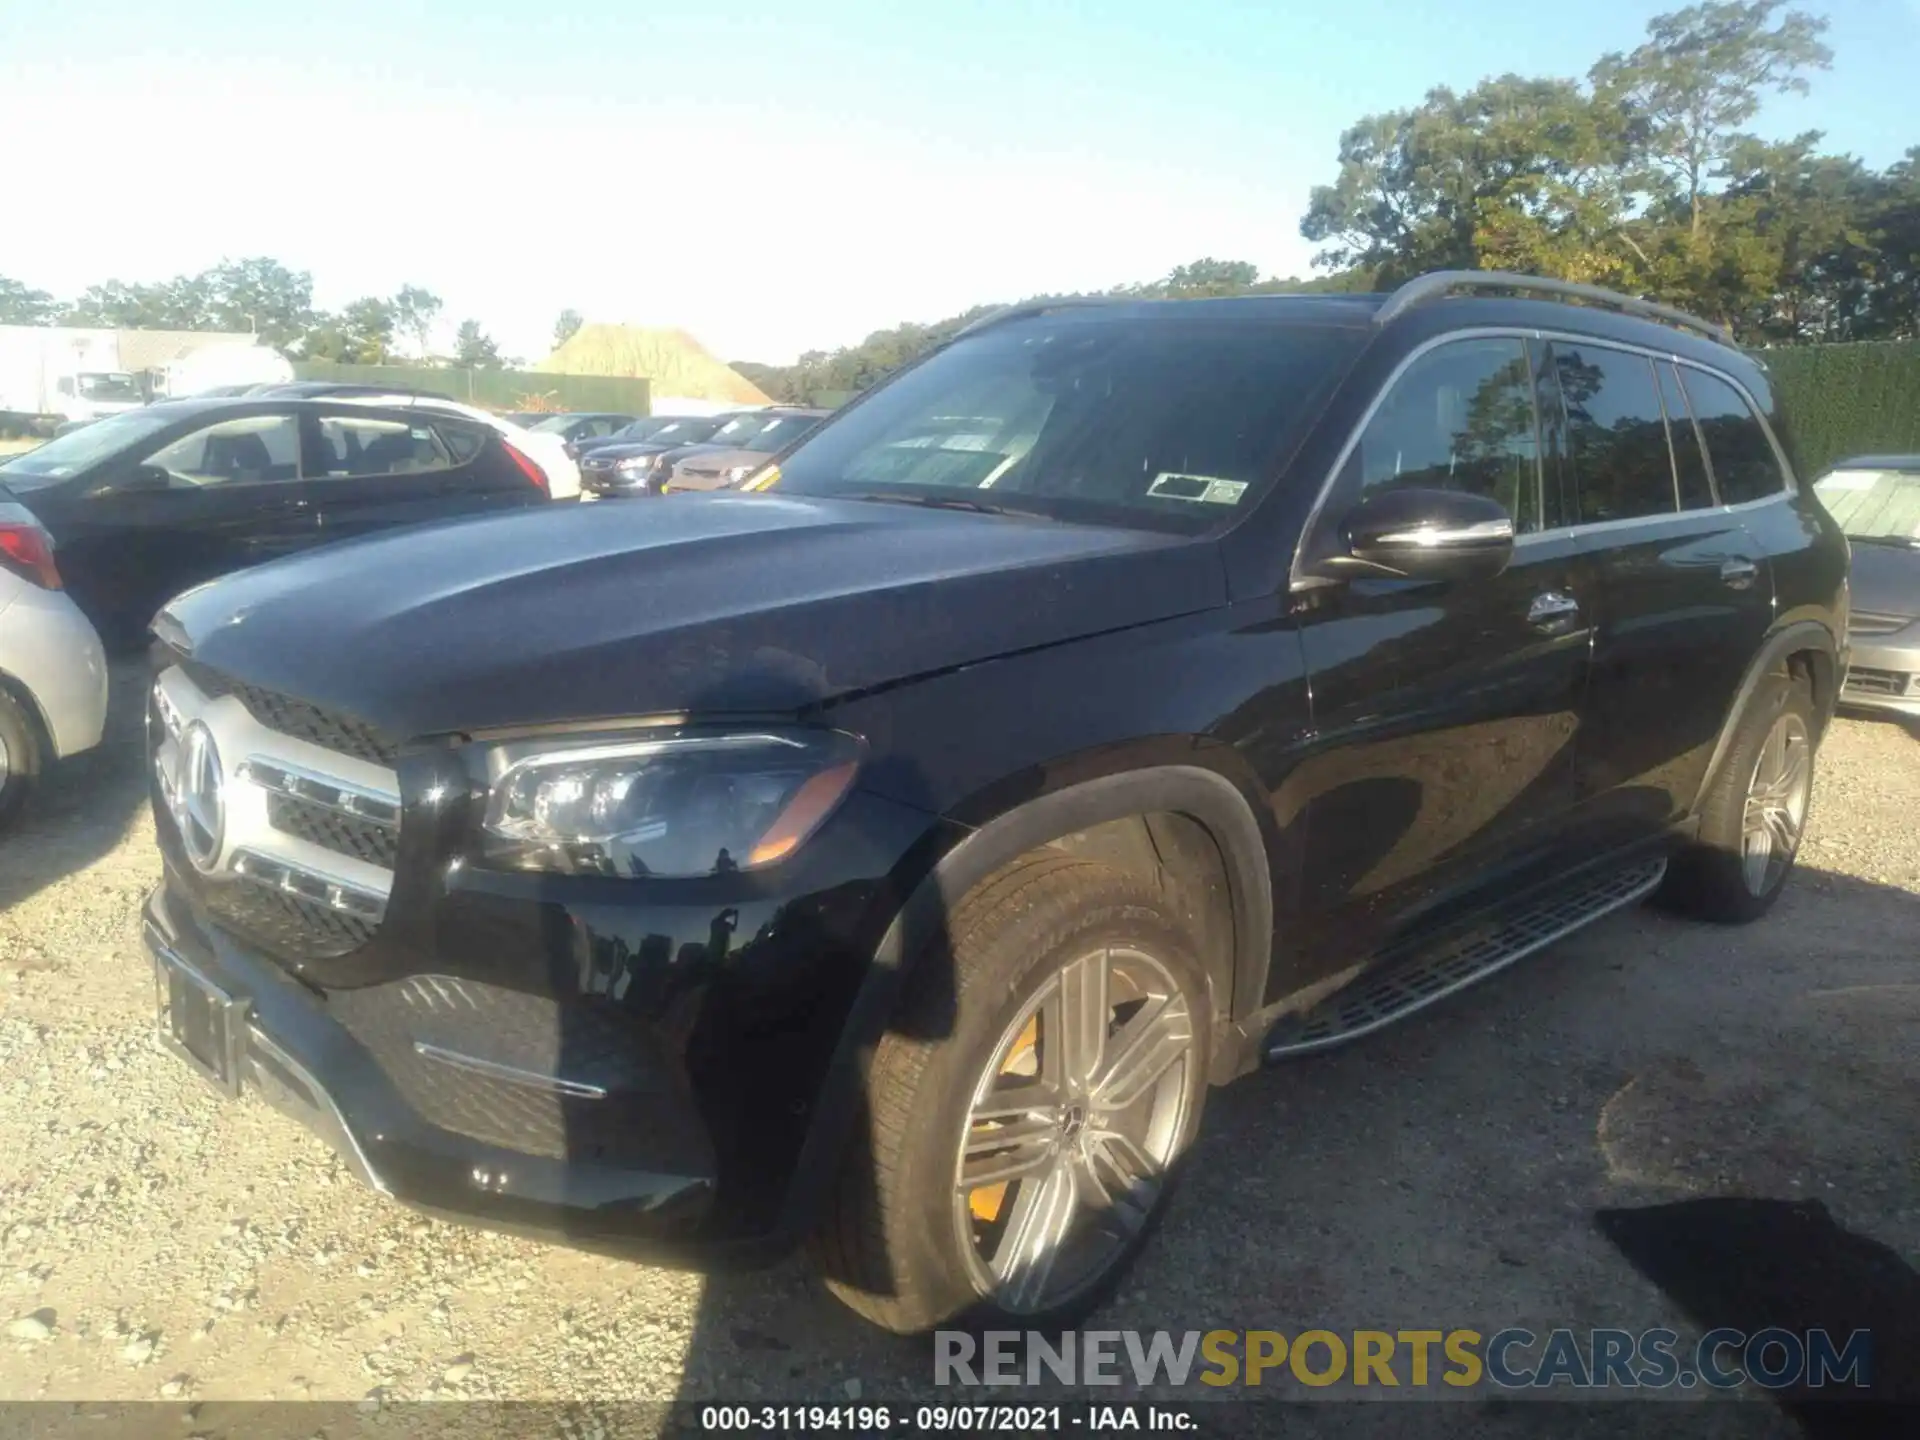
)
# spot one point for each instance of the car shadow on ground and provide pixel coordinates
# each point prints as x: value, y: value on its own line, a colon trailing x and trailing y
x: 82, y: 805
x: 1653, y: 1123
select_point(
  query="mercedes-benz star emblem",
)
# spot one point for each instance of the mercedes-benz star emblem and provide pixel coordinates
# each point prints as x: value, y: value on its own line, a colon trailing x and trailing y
x: 200, y: 802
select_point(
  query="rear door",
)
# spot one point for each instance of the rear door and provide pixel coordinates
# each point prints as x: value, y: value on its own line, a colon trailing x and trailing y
x: 377, y: 469
x: 1444, y: 713
x: 219, y: 498
x: 1685, y: 598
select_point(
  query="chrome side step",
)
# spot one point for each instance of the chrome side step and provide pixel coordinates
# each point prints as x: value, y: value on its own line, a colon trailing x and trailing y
x: 1411, y: 977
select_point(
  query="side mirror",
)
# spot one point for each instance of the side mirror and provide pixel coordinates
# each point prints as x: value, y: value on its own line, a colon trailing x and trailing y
x: 143, y: 479
x: 1427, y: 535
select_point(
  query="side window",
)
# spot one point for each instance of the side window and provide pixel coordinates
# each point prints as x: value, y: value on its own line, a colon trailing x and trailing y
x: 1616, y: 434
x: 463, y: 442
x: 1460, y: 418
x: 250, y: 450
x: 1689, y: 460
x: 361, y: 446
x: 1743, y: 460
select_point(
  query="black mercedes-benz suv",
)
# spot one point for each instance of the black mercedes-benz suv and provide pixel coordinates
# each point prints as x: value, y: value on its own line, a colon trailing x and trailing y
x: 1124, y: 696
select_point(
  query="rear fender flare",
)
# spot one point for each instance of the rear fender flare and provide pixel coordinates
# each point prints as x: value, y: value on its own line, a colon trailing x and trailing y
x: 1788, y: 640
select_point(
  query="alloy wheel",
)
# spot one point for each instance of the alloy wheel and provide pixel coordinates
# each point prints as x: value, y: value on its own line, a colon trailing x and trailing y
x: 1776, y: 811
x: 1072, y: 1127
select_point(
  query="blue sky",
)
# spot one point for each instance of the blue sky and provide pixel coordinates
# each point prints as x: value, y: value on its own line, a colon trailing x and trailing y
x: 771, y: 177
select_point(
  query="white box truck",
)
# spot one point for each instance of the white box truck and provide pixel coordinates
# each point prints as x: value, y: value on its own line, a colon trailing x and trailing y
x: 52, y: 373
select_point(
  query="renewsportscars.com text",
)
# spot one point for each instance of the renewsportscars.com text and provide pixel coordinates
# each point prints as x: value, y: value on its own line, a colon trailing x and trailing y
x: 1722, y: 1359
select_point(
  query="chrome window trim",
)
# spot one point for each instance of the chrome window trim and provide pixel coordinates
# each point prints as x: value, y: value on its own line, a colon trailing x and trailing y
x: 1297, y: 582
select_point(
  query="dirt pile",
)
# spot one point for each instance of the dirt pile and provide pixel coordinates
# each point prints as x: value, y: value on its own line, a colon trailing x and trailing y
x: 673, y: 360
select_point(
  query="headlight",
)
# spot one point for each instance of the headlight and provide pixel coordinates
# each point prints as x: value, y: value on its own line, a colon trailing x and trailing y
x: 738, y: 473
x: 681, y: 805
x: 635, y: 464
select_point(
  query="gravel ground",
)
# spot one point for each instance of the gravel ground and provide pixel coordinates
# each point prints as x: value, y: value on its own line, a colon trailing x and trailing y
x: 156, y: 1241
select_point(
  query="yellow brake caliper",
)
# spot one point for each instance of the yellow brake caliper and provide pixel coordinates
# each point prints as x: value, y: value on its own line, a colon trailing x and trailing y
x: 985, y: 1201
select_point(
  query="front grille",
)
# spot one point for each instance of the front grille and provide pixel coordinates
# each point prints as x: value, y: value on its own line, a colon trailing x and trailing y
x: 291, y: 927
x: 1867, y: 622
x: 297, y: 718
x: 1878, y: 682
x: 326, y: 827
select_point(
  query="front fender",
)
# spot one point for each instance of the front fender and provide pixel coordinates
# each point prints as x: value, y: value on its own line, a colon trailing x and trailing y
x: 1238, y: 978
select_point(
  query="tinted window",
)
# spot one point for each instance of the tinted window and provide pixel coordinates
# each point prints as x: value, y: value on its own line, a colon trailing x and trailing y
x: 1616, y: 434
x: 1743, y: 461
x: 1168, y: 422
x: 1461, y: 418
x: 1689, y: 461
x: 250, y: 450
x: 358, y: 446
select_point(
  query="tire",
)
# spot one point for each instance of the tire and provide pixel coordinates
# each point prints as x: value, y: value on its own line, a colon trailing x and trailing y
x: 898, y: 1243
x: 1716, y: 878
x: 21, y: 756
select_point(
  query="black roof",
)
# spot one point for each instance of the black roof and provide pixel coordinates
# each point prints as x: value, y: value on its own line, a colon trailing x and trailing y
x: 1621, y: 317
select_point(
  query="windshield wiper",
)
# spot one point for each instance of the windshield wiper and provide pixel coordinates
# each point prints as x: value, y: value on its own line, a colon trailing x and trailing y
x: 937, y: 502
x: 1904, y: 542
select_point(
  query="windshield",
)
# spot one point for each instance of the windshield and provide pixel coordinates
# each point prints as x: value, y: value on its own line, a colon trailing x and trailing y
x: 781, y: 430
x: 77, y: 450
x: 557, y: 424
x: 737, y: 430
x: 114, y: 386
x: 1877, y: 506
x: 1165, y: 423
x: 640, y: 429
x: 688, y: 430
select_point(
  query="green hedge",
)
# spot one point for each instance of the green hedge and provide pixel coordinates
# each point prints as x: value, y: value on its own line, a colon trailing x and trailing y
x: 496, y: 389
x: 1849, y: 399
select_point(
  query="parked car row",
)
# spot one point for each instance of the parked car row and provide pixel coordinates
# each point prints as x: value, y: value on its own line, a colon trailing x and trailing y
x: 711, y: 452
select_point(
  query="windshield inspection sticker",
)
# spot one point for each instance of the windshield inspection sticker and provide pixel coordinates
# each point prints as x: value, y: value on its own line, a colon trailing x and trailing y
x: 1205, y: 489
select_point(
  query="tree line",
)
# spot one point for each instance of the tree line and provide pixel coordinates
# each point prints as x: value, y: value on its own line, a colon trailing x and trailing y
x: 260, y: 296
x: 1642, y: 176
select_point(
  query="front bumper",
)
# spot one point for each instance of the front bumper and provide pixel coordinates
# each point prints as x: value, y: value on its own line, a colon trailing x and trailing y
x: 607, y: 484
x: 287, y: 1045
x: 1884, y: 674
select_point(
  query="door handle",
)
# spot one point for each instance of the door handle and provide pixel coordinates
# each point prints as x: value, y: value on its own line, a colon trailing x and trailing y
x: 1552, y: 611
x: 1739, y: 574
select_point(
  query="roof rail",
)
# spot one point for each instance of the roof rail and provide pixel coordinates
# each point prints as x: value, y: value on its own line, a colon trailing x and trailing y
x: 1031, y: 307
x: 1423, y: 288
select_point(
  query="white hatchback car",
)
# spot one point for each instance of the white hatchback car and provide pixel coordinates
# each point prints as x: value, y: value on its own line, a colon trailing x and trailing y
x: 53, y: 673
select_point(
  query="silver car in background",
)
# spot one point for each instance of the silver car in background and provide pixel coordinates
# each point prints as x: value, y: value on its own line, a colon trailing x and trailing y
x: 1876, y: 500
x: 720, y: 465
x: 53, y: 672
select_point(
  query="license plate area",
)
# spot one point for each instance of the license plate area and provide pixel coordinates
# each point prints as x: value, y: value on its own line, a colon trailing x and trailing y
x: 200, y: 1022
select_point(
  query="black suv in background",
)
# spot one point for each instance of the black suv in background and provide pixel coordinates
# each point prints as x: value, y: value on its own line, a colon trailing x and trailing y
x: 1124, y: 696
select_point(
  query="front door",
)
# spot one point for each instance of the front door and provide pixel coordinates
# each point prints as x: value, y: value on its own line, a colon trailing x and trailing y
x: 1444, y: 714
x: 207, y: 503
